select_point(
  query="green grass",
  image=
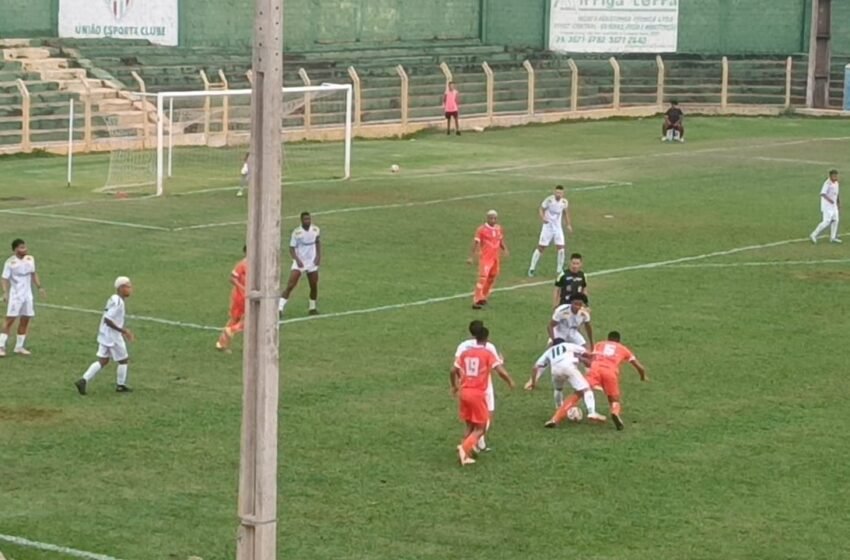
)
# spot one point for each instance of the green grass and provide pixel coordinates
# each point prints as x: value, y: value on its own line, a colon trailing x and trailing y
x: 737, y: 448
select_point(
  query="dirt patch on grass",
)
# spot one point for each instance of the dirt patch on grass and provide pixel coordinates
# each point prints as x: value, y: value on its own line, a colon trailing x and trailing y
x: 825, y: 276
x: 29, y: 415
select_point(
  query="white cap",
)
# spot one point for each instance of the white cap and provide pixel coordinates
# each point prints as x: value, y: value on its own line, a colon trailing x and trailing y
x: 492, y: 213
x: 121, y: 281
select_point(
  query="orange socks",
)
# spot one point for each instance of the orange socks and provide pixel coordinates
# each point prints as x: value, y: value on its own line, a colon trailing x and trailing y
x: 470, y: 442
x: 561, y: 414
x: 615, y: 408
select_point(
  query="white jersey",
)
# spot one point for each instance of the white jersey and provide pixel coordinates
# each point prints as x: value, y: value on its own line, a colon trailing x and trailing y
x: 560, y: 355
x: 244, y: 171
x: 553, y: 210
x: 569, y: 321
x: 830, y: 189
x: 19, y: 274
x: 107, y: 336
x: 304, y: 242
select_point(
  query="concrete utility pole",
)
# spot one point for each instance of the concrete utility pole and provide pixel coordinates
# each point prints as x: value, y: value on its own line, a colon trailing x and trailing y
x: 257, y: 538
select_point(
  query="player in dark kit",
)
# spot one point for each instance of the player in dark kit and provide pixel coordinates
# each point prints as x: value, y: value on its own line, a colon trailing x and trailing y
x: 570, y: 282
x: 673, y: 123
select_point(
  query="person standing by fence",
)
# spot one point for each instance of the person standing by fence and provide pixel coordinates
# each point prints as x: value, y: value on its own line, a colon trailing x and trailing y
x: 451, y: 107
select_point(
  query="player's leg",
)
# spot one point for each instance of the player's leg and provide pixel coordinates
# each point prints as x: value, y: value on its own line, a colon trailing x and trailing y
x: 294, y: 275
x: 611, y: 386
x: 448, y: 124
x: 493, y: 273
x: 479, y: 298
x: 103, y: 356
x: 490, y: 398
x: 680, y: 128
x: 826, y: 222
x: 544, y: 241
x: 7, y: 328
x: 583, y: 389
x: 27, y: 312
x: 235, y: 324
x: 665, y: 126
x: 833, y: 229
x: 559, y: 381
x: 560, y: 245
x: 313, y: 280
x: 457, y: 122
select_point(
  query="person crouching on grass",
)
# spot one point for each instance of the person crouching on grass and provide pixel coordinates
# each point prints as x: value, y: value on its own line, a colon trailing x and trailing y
x: 673, y: 124
x: 451, y: 107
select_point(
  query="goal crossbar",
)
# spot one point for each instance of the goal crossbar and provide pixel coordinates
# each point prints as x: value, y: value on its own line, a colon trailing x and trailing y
x: 168, y: 97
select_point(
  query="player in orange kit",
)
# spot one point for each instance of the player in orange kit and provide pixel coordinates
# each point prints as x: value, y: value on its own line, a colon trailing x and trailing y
x: 489, y: 245
x: 604, y: 372
x: 469, y: 378
x: 238, y: 278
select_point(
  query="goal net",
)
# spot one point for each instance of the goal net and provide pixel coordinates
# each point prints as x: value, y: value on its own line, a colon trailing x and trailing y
x: 202, y: 139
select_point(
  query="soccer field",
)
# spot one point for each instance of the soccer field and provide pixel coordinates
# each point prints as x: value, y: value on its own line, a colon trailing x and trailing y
x: 698, y: 253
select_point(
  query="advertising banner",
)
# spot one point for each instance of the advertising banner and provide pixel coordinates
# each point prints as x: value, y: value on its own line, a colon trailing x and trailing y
x: 154, y: 20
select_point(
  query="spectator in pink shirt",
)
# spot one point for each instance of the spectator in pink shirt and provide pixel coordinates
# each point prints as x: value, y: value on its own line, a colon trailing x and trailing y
x: 451, y: 108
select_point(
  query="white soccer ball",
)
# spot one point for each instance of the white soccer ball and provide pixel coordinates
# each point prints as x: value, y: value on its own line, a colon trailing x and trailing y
x: 575, y: 414
x: 395, y: 168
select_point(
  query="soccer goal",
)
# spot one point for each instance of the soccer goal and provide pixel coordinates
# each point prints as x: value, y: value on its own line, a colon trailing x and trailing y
x: 201, y: 140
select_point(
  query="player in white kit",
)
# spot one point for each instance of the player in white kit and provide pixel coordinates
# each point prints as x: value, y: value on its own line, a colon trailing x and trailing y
x: 17, y: 279
x: 554, y: 211
x: 112, y: 337
x: 305, y: 248
x: 567, y: 321
x: 562, y: 359
x: 830, y: 204
x: 244, y: 175
x: 474, y: 328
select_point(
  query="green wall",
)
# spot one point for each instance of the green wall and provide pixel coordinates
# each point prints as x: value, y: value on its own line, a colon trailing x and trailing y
x: 29, y: 18
x: 705, y: 26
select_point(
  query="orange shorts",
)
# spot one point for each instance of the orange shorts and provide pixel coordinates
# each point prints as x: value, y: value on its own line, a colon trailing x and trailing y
x: 473, y: 407
x: 609, y: 381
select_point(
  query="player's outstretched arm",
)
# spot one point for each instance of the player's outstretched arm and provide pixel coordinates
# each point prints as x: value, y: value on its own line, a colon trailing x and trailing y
x: 640, y: 369
x: 473, y: 252
x: 503, y: 373
x: 588, y: 328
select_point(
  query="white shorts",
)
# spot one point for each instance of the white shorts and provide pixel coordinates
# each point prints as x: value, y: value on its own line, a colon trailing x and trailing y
x: 570, y: 335
x: 569, y: 374
x: 490, y: 395
x: 551, y: 234
x: 116, y: 352
x: 21, y: 307
x: 830, y: 215
x: 308, y: 267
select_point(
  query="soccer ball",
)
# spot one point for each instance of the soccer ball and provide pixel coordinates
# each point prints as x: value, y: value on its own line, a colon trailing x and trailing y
x: 575, y: 414
x: 395, y: 168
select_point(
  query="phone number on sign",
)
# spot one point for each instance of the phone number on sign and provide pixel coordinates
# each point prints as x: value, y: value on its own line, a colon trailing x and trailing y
x: 575, y: 39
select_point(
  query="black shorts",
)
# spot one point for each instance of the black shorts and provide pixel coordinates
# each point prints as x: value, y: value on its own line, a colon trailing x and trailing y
x: 451, y: 114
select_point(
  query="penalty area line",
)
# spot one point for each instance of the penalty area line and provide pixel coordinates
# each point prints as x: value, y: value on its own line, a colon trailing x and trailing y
x: 47, y: 547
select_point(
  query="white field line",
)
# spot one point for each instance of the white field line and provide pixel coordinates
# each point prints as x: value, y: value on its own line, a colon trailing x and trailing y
x: 26, y: 543
x: 46, y: 206
x: 797, y: 161
x: 413, y: 204
x: 760, y: 264
x: 86, y: 220
x: 497, y: 170
x: 369, y: 310
x: 142, y: 318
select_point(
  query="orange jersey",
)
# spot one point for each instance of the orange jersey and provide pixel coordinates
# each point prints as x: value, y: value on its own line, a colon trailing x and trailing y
x: 609, y: 355
x: 475, y: 365
x: 490, y: 240
x: 240, y: 275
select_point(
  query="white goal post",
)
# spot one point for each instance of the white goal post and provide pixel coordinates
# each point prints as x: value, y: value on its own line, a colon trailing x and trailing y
x: 303, y: 120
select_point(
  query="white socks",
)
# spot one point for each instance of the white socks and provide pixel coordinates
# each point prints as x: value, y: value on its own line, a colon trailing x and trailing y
x: 535, y: 258
x: 122, y: 374
x: 482, y: 444
x: 561, y: 256
x: 19, y: 344
x: 3, y: 339
x: 590, y: 401
x: 92, y: 371
x: 282, y: 305
x: 559, y: 397
x: 312, y: 305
